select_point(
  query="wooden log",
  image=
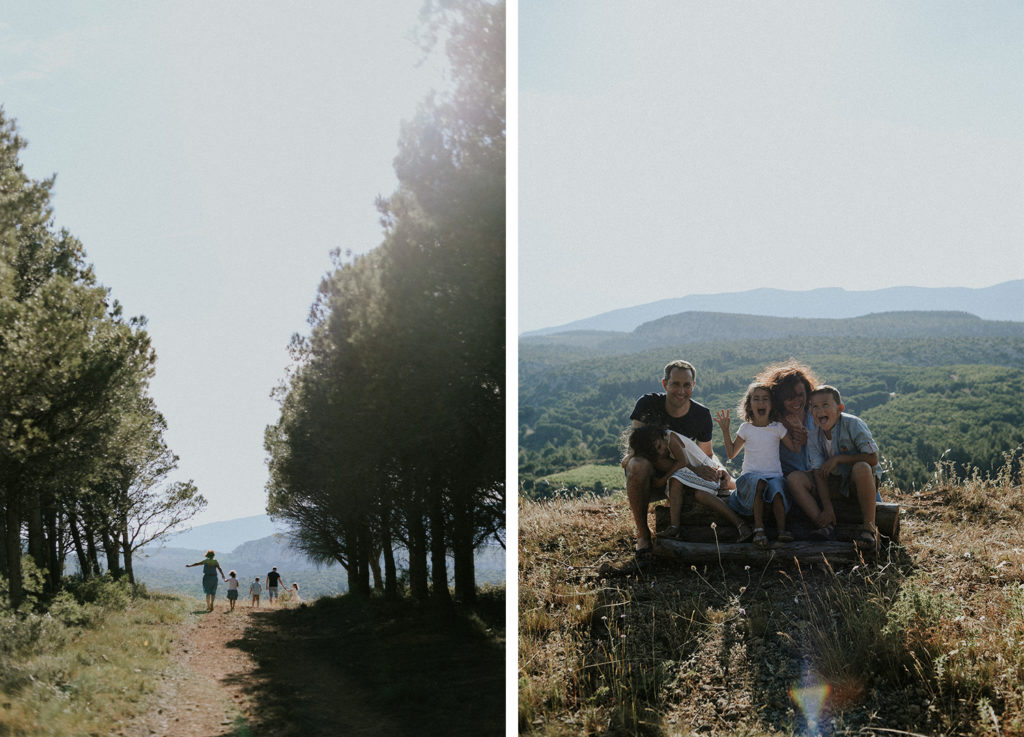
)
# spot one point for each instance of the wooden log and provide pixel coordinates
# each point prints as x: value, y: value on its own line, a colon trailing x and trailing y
x: 805, y: 552
x: 697, y: 519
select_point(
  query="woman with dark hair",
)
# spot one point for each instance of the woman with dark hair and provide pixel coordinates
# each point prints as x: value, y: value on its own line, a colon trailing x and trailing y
x: 791, y: 384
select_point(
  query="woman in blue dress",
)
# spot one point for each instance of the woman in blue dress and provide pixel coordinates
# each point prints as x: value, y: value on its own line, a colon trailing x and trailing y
x: 210, y: 578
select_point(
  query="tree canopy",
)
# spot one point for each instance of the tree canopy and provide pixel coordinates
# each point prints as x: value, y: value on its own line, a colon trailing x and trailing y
x: 391, y: 425
x: 77, y: 429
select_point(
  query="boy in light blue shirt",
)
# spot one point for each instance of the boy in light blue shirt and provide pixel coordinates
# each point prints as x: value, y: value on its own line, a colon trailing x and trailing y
x: 844, y: 456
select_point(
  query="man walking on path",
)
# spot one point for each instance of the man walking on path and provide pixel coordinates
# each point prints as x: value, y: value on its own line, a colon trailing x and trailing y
x: 273, y: 579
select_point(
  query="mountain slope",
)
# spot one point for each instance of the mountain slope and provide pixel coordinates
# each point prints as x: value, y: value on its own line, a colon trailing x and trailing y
x: 1003, y: 301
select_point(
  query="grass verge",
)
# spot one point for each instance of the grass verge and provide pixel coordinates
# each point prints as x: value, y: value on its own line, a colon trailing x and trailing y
x: 85, y: 661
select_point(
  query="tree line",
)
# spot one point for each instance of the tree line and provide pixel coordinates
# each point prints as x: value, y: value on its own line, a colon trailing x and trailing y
x: 83, y: 462
x: 391, y: 416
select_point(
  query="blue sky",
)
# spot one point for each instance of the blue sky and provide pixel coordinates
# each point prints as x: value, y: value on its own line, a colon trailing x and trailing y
x: 684, y: 147
x: 210, y: 156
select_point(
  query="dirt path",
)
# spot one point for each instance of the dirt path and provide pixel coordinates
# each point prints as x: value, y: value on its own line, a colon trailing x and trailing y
x: 202, y: 694
x: 244, y: 673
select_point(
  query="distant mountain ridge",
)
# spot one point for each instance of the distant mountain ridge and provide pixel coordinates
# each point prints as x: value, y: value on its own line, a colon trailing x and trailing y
x: 225, y: 536
x: 1000, y: 302
x: 703, y: 327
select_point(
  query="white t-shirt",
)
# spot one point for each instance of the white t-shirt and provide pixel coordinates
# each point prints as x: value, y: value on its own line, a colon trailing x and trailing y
x: 761, y: 448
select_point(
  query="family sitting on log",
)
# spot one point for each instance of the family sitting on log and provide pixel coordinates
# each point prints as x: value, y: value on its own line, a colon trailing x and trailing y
x: 799, y: 447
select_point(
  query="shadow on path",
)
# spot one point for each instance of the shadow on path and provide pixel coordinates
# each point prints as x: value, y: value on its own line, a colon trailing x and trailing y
x: 346, y: 666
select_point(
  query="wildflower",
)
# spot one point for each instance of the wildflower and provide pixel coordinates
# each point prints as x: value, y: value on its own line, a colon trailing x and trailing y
x: 604, y: 619
x: 746, y: 568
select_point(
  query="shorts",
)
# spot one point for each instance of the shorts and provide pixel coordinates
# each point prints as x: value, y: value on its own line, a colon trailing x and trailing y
x: 271, y: 591
x: 840, y: 484
x: 741, y: 500
x: 232, y: 594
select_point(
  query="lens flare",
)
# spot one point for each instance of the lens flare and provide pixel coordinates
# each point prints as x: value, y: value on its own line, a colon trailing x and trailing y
x: 809, y: 698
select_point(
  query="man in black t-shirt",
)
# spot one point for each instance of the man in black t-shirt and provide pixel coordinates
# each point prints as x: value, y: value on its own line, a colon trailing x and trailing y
x: 273, y: 579
x: 675, y: 410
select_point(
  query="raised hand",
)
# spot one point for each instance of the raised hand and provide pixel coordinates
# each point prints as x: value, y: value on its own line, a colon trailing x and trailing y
x: 722, y: 418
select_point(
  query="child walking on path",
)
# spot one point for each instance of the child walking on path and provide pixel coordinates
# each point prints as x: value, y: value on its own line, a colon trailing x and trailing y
x: 761, y: 478
x: 255, y: 590
x: 232, y: 582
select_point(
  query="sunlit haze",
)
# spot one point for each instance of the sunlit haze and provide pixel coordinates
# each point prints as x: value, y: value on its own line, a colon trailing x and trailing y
x: 210, y: 156
x: 674, y: 148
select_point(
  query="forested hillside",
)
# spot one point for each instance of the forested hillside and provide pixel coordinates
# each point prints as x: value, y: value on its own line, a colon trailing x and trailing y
x: 928, y: 385
x: 164, y: 569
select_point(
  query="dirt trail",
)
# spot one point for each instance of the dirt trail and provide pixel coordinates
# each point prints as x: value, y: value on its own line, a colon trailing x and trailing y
x: 202, y: 694
x: 237, y: 673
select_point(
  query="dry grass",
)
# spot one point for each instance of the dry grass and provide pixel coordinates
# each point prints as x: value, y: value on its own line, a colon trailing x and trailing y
x: 82, y: 666
x: 929, y: 639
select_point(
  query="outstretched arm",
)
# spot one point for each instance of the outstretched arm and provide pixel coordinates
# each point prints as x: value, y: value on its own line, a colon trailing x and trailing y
x: 731, y: 447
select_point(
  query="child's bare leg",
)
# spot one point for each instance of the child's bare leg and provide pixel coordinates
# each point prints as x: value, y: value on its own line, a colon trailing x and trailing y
x: 715, y: 503
x: 863, y: 481
x: 759, y: 505
x: 801, y: 487
x: 779, y: 510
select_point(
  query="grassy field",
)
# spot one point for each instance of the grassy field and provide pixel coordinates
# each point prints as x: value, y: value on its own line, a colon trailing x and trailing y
x: 928, y: 639
x: 587, y: 477
x: 87, y: 662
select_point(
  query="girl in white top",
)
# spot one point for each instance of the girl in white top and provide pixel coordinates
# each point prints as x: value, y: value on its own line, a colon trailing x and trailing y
x: 232, y: 582
x: 761, y: 479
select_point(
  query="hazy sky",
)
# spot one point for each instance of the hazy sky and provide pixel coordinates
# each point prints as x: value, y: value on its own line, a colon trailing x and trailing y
x: 673, y: 148
x: 210, y: 156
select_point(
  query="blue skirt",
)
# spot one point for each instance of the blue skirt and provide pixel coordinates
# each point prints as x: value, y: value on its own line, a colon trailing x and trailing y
x: 741, y: 500
x: 210, y: 585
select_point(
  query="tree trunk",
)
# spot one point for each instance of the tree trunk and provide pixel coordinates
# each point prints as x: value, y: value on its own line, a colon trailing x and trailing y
x: 462, y: 550
x: 805, y: 552
x: 15, y: 589
x: 438, y: 551
x: 36, y: 539
x: 390, y: 571
x: 126, y: 551
x: 4, y: 567
x: 92, y: 552
x: 418, y: 585
x: 697, y: 519
x: 53, y: 557
x: 76, y: 539
x: 110, y: 547
x: 378, y: 581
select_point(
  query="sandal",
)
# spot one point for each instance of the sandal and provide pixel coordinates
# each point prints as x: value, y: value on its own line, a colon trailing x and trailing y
x: 785, y: 536
x: 743, y: 532
x: 824, y: 533
x: 867, y: 538
x: 672, y: 531
x: 760, y: 539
